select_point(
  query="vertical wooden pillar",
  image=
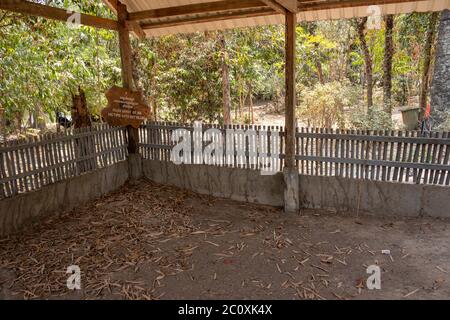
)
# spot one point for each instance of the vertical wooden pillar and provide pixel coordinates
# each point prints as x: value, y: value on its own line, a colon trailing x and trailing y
x: 290, y: 172
x: 127, y: 68
x: 290, y: 121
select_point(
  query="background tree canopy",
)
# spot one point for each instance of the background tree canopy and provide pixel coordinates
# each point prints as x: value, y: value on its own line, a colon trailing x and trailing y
x: 43, y: 62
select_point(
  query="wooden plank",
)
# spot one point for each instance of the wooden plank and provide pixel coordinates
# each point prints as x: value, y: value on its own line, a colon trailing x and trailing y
x: 423, y: 151
x: 4, y: 192
x: 52, y: 167
x: 367, y: 163
x: 197, y: 8
x: 9, y: 164
x: 352, y: 155
x: 369, y: 147
x: 412, y: 151
x: 289, y: 5
x: 127, y: 69
x: 275, y: 6
x: 378, y: 154
x: 389, y: 138
x: 290, y: 121
x: 373, y: 146
x: 209, y: 18
x: 308, y: 5
x: 42, y: 142
x: 404, y: 158
x: 35, y: 9
x: 445, y: 160
x: 433, y: 159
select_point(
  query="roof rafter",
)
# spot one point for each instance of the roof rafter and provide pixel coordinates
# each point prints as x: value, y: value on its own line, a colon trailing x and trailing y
x: 198, y: 8
x: 334, y: 4
x: 264, y: 11
x: 275, y: 6
x: 35, y: 9
x: 289, y: 5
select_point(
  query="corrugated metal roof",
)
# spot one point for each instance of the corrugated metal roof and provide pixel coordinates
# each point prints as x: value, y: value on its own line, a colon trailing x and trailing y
x: 328, y: 14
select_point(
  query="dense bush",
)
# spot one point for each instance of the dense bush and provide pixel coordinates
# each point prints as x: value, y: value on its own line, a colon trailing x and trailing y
x: 323, y: 105
x: 375, y: 119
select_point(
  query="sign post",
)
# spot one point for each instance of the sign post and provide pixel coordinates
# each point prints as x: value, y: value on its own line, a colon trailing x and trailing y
x: 125, y: 108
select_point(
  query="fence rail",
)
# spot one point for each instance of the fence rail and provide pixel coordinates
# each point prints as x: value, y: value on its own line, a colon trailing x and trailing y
x: 32, y: 163
x: 397, y: 156
x: 405, y: 157
x: 156, y: 144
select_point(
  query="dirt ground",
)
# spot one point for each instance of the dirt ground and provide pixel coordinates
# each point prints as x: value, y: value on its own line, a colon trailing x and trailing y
x: 265, y: 114
x: 156, y: 242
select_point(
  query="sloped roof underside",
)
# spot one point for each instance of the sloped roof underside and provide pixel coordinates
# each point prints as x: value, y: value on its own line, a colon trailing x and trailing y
x: 256, y: 17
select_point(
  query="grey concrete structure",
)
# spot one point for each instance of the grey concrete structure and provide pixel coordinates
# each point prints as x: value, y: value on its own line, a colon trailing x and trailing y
x: 374, y: 197
x: 329, y: 193
x: 135, y: 167
x: 291, y: 190
x: 237, y: 184
x: 65, y: 195
x: 337, y: 194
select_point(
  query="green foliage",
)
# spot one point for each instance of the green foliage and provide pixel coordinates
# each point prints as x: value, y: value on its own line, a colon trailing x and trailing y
x: 376, y: 119
x: 324, y: 105
x: 43, y: 62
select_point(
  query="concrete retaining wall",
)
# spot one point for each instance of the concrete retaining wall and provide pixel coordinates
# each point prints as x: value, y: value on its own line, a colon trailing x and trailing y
x: 328, y: 193
x: 374, y: 197
x: 17, y: 211
x: 237, y: 184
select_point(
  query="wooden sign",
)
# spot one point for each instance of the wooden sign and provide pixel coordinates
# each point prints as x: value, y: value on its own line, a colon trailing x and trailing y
x: 125, y: 108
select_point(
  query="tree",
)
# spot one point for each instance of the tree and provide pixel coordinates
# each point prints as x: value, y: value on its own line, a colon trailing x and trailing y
x: 440, y: 90
x: 387, y: 64
x: 426, y: 64
x: 368, y: 61
x: 225, y: 80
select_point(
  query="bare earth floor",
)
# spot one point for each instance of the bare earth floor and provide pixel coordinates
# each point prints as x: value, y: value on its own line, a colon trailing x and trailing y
x: 157, y: 242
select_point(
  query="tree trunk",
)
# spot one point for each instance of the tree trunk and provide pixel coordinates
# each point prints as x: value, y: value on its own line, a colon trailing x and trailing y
x: 241, y: 97
x: 153, y: 92
x: 440, y: 90
x: 80, y: 113
x: 387, y: 64
x: 426, y: 64
x: 250, y: 103
x: 320, y: 72
x: 312, y: 26
x: 226, y: 97
x: 84, y: 146
x: 368, y: 62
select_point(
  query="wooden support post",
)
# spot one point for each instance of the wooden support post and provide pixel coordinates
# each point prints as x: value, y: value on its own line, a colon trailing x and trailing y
x: 127, y: 68
x: 290, y: 121
x: 290, y: 172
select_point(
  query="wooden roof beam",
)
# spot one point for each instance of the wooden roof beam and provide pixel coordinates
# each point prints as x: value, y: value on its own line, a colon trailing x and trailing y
x: 334, y: 4
x: 210, y: 18
x: 198, y: 8
x: 35, y: 9
x: 282, y: 6
x: 275, y: 6
x: 289, y: 5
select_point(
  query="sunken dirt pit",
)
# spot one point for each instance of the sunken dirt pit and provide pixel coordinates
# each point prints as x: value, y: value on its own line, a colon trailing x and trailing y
x: 157, y: 242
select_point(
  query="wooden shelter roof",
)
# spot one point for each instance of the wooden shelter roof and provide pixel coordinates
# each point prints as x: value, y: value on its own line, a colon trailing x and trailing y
x: 162, y: 17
